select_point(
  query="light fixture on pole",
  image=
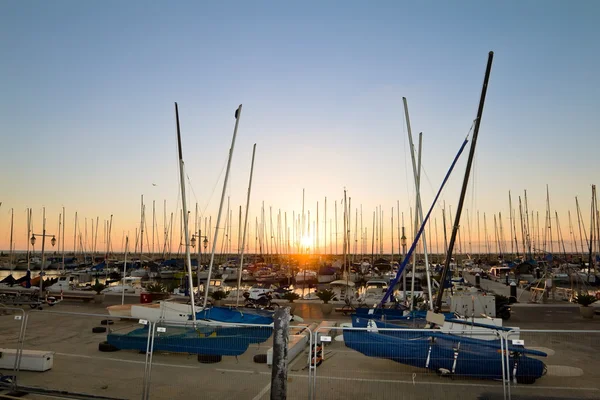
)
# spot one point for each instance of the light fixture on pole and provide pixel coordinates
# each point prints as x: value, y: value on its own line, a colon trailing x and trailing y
x: 52, y: 241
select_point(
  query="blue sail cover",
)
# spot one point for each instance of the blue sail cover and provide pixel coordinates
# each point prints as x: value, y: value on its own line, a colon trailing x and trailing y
x: 200, y: 340
x: 234, y: 316
x: 392, y: 314
x: 358, y: 322
x: 436, y: 350
x: 99, y: 267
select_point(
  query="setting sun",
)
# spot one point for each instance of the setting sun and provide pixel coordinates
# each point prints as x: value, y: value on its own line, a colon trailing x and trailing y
x: 306, y: 241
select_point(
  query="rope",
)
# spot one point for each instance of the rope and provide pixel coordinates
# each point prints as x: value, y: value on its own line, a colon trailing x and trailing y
x: 414, y: 244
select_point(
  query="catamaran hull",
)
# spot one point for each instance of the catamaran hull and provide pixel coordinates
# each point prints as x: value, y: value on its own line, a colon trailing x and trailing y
x: 186, y: 340
x: 444, y: 353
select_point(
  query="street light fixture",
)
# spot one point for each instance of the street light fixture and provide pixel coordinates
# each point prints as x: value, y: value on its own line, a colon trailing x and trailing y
x: 52, y: 241
x: 195, y: 240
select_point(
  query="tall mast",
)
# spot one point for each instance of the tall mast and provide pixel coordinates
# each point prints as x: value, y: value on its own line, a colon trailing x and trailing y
x: 355, y: 234
x: 580, y: 232
x: 597, y: 214
x: 238, y: 113
x: 75, y: 236
x: 317, y: 230
x: 336, y: 229
x: 469, y: 232
x: 446, y: 227
x: 302, y: 230
x: 561, y: 240
x: 513, y: 230
x: 437, y: 241
x: 185, y: 220
x: 59, y: 233
x: 237, y: 301
x: 392, y: 234
x: 346, y: 271
x: 108, y: 237
x: 153, y: 223
x: 165, y: 229
x: 325, y: 223
x: 373, y: 241
x: 63, y: 239
x: 592, y: 223
x: 96, y: 235
x: 399, y: 235
x: 348, y: 225
x: 528, y: 230
x: 381, y: 231
x: 438, y: 304
x: 572, y: 234
x: 418, y: 209
x: 523, y: 233
x: 378, y: 231
x: 198, y: 233
x: 28, y: 233
x: 142, y: 216
x: 239, y: 239
x: 403, y: 241
x: 549, y: 218
x: 12, y: 217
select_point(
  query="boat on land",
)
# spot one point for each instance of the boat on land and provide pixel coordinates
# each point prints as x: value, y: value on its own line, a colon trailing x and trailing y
x: 204, y: 340
x: 435, y: 348
x: 444, y: 353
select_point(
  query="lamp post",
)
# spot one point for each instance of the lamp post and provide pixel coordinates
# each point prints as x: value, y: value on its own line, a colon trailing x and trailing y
x: 52, y: 241
x: 204, y: 243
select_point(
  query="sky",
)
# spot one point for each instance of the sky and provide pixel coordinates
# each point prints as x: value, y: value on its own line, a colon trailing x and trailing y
x: 88, y: 90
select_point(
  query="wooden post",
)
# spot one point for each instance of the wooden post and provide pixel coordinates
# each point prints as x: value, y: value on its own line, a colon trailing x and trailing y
x: 280, y: 354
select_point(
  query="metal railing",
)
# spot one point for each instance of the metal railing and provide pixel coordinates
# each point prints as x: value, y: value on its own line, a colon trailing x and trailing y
x: 354, y: 362
x: 79, y: 360
x: 13, y: 322
x: 223, y: 361
x: 327, y: 362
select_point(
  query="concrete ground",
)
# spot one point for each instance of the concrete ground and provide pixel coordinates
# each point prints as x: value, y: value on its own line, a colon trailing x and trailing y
x: 573, y: 369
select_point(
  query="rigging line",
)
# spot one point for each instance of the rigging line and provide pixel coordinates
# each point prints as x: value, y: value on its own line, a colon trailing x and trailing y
x: 191, y: 186
x: 203, y: 212
x: 439, y: 206
x: 394, y: 281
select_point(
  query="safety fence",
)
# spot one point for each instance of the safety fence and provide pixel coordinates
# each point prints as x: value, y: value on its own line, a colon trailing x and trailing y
x: 572, y: 368
x: 80, y: 355
x: 391, y: 363
x: 12, y: 324
x: 126, y: 358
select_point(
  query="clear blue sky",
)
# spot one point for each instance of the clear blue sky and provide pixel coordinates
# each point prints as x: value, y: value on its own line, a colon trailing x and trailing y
x: 87, y: 92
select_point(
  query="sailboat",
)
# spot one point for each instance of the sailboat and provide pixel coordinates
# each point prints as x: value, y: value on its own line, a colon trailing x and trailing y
x: 177, y: 312
x: 435, y: 349
x: 444, y: 353
x: 190, y: 331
